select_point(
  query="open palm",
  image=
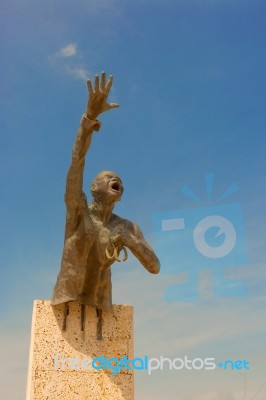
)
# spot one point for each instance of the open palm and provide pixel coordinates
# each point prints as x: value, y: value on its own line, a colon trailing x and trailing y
x: 97, y: 102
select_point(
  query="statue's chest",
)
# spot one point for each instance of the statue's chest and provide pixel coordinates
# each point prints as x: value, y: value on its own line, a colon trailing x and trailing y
x: 99, y: 236
x: 102, y: 235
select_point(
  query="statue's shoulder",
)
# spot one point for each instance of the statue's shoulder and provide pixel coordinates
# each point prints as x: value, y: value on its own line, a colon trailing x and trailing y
x: 123, y: 222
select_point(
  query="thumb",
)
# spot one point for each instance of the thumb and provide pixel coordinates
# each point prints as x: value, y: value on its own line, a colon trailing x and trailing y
x: 113, y: 105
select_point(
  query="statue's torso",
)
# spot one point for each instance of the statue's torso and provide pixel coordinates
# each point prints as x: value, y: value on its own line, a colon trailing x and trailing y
x: 85, y: 270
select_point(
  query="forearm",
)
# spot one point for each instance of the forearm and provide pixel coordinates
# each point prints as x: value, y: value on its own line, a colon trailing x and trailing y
x: 82, y: 143
x: 83, y: 138
x: 144, y: 253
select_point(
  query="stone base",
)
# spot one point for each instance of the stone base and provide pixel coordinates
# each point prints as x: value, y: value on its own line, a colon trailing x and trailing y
x: 50, y: 377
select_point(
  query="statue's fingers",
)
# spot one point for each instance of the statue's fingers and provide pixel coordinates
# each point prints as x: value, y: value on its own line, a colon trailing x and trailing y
x: 90, y: 88
x: 108, y: 254
x: 116, y: 253
x: 109, y: 85
x: 96, y: 85
x: 103, y: 81
x: 125, y: 254
x: 113, y: 105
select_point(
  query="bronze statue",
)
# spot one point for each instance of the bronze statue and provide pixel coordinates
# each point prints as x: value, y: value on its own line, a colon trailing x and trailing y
x: 94, y: 236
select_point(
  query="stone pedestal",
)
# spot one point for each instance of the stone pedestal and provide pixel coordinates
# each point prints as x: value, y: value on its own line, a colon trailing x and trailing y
x: 52, y: 377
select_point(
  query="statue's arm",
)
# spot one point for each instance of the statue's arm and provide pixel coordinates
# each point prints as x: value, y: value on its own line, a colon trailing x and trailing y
x: 97, y: 104
x: 133, y: 239
x: 75, y: 199
x: 74, y: 182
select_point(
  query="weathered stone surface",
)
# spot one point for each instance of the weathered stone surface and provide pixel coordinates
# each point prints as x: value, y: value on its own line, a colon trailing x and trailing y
x: 48, y: 380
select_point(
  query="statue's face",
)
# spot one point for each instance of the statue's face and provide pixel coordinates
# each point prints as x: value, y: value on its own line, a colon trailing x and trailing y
x: 107, y: 184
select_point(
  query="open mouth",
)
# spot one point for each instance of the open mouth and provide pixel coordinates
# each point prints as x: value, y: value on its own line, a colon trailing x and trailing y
x: 115, y: 186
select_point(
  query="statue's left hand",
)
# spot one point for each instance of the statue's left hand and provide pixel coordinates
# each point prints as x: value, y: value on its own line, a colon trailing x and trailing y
x: 97, y: 101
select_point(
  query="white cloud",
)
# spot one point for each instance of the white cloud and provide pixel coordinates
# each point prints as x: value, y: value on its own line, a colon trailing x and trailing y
x: 69, y: 60
x: 68, y: 51
x: 79, y: 72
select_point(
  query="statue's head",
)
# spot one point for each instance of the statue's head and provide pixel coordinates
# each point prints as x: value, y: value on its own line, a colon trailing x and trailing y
x: 107, y: 187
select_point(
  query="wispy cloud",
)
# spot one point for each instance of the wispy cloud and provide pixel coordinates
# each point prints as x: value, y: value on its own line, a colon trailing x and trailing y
x: 68, y: 51
x: 69, y: 59
x: 78, y: 72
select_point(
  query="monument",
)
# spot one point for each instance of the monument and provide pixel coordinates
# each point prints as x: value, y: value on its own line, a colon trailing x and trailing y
x: 80, y: 320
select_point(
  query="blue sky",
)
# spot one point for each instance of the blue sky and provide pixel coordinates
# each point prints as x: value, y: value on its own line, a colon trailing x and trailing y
x: 190, y: 79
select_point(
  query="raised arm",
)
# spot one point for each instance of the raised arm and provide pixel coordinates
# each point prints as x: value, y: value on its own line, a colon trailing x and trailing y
x: 74, y: 182
x: 96, y: 105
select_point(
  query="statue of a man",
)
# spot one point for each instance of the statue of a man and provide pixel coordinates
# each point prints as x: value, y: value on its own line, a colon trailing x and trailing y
x: 94, y: 236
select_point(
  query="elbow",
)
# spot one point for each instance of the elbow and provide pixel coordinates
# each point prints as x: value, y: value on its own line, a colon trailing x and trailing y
x: 155, y: 267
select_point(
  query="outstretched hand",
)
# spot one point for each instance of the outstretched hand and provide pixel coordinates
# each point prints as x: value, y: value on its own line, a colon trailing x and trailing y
x: 97, y: 102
